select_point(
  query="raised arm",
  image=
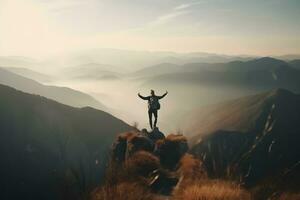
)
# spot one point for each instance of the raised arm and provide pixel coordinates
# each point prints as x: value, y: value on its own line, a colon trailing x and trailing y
x: 142, y: 97
x: 160, y: 97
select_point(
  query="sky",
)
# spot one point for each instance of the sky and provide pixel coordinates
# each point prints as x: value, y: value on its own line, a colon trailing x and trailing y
x: 50, y: 27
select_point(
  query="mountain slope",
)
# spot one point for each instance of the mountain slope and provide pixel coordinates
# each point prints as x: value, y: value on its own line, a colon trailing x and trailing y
x: 18, y: 61
x: 255, y: 138
x: 50, y: 150
x: 163, y: 68
x: 61, y: 94
x: 37, y: 76
x: 295, y: 64
x: 234, y: 115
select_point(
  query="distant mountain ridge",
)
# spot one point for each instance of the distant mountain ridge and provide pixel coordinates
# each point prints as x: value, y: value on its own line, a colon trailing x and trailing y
x: 135, y: 60
x: 264, y: 63
x: 295, y: 63
x: 94, y: 71
x: 28, y: 73
x: 61, y: 94
x: 18, y: 61
x: 263, y: 74
x: 163, y: 68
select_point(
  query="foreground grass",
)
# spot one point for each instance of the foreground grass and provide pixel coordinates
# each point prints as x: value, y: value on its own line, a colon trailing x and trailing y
x: 123, y: 191
x: 125, y: 183
x: 213, y: 190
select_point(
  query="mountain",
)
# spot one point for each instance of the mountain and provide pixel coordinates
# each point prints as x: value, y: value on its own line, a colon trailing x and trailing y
x: 135, y: 60
x: 18, y: 61
x: 254, y: 139
x: 289, y: 57
x: 50, y: 150
x: 264, y: 63
x: 94, y: 71
x: 234, y: 115
x: 163, y: 68
x: 31, y: 74
x: 61, y: 94
x: 263, y: 74
x: 295, y: 64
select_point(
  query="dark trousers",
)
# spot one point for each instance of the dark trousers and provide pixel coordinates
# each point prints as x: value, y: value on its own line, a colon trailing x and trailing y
x: 150, y: 113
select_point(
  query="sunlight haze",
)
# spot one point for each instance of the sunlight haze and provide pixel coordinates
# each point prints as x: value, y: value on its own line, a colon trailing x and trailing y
x: 50, y: 27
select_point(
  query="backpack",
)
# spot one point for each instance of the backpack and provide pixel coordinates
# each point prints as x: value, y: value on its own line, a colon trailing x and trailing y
x: 154, y: 103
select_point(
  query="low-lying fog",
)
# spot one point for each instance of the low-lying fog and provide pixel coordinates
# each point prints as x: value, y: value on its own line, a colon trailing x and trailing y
x: 192, y: 80
x: 120, y: 96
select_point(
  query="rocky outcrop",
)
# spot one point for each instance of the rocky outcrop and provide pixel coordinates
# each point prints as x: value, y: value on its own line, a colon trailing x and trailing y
x: 171, y: 149
x: 128, y: 143
x: 151, y: 156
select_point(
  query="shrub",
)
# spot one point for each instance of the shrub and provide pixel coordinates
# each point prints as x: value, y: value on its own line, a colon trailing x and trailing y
x: 191, y: 168
x: 128, y: 143
x: 176, y: 138
x: 142, y: 163
x: 190, y: 171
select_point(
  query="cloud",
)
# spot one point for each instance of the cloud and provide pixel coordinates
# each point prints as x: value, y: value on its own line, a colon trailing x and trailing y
x: 182, y: 6
x: 168, y: 17
x: 188, y: 5
x: 177, y: 11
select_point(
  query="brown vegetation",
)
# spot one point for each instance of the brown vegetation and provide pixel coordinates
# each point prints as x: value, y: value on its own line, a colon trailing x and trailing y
x: 176, y: 138
x: 122, y: 191
x: 213, y: 190
x: 128, y: 143
x: 195, y: 185
x: 142, y: 163
x: 191, y: 168
x: 145, y: 175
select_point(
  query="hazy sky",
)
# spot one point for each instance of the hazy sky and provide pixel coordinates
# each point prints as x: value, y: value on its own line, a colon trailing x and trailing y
x: 46, y: 27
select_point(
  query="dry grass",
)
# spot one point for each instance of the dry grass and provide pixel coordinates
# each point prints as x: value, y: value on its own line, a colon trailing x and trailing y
x: 191, y: 168
x: 191, y: 171
x: 213, y: 190
x: 126, y: 182
x: 123, y: 191
x: 195, y: 185
x: 176, y: 138
x: 127, y: 135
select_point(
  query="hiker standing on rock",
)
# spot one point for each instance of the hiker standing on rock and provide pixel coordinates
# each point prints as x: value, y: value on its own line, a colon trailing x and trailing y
x: 153, y: 105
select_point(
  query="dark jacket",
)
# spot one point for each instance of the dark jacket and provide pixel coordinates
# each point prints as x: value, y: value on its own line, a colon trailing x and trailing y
x: 153, y: 101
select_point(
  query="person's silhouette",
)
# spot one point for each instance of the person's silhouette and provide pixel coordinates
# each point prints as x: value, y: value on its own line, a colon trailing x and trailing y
x: 153, y: 105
